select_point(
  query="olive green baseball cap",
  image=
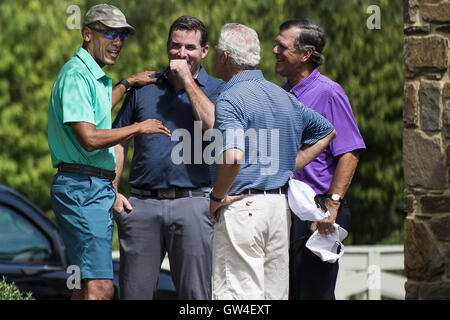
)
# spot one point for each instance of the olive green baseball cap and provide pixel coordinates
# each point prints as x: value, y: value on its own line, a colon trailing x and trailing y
x: 109, y: 15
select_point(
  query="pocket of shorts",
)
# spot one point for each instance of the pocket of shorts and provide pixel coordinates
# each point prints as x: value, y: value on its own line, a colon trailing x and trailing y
x: 246, y: 228
x: 89, y: 192
x: 69, y: 189
x: 210, y: 219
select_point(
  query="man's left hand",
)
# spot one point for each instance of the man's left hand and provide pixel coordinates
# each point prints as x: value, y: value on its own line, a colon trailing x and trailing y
x: 214, y: 206
x: 141, y: 78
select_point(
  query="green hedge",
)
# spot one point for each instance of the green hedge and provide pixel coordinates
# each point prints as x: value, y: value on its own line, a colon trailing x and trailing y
x: 367, y: 64
x: 9, y: 291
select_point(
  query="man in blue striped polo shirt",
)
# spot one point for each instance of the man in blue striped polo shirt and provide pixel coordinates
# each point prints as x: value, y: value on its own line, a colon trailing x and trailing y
x: 262, y: 128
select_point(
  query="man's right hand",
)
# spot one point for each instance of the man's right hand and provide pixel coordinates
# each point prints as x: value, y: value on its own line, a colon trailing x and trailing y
x: 180, y: 69
x: 120, y: 204
x: 152, y: 126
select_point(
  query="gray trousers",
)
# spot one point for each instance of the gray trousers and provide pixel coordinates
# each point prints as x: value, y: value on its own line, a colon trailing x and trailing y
x: 181, y: 227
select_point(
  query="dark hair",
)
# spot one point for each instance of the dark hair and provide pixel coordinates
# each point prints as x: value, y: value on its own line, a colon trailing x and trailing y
x: 311, y: 36
x: 191, y: 24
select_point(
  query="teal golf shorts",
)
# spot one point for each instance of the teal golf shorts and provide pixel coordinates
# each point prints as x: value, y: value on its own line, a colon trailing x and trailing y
x: 83, y: 208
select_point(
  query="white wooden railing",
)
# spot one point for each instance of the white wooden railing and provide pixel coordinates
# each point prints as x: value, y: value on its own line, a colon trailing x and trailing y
x: 365, y: 272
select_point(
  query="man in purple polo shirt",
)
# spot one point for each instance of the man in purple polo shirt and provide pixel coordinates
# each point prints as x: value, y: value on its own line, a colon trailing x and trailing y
x: 298, y: 52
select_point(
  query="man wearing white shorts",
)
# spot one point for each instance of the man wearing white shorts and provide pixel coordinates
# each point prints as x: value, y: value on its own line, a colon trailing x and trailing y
x: 267, y: 134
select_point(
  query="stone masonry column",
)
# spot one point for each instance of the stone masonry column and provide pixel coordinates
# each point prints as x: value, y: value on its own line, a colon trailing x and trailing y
x: 426, y: 148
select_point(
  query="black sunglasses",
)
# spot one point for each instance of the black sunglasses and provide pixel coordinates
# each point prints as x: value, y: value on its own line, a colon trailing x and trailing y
x: 111, y: 34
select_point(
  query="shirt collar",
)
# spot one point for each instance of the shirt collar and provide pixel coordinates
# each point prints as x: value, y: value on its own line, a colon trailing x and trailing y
x: 90, y: 63
x: 300, y: 87
x: 202, y: 77
x: 243, y: 76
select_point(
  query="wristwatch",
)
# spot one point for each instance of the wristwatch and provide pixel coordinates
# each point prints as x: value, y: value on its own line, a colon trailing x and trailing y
x: 215, y: 199
x: 334, y: 197
x: 126, y: 84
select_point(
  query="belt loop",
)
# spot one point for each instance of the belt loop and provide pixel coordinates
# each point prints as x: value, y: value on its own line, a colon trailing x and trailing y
x: 279, y: 189
x: 101, y: 173
x: 80, y: 171
x: 249, y: 192
x: 265, y: 193
x: 190, y: 193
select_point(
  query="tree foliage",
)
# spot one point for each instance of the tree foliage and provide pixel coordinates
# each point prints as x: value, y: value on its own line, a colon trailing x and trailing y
x: 36, y: 42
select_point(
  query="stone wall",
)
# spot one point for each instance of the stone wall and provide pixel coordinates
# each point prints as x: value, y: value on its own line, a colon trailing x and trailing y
x: 426, y: 148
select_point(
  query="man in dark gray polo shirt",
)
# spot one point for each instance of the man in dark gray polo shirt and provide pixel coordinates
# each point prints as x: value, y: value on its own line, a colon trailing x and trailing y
x: 168, y: 210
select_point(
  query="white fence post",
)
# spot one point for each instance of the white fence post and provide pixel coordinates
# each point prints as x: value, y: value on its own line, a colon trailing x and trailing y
x: 374, y: 275
x: 365, y: 272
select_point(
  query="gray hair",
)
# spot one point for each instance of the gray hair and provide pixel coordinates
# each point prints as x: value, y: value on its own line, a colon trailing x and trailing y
x: 242, y: 45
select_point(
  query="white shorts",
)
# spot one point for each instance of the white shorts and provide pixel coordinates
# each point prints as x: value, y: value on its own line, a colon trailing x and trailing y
x: 251, y: 249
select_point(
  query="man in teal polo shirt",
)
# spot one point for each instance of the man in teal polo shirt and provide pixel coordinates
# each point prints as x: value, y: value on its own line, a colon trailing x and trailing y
x: 81, y: 143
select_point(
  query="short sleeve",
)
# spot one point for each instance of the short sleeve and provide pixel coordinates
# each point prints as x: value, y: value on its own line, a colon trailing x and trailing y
x: 341, y: 116
x: 76, y: 99
x: 230, y: 121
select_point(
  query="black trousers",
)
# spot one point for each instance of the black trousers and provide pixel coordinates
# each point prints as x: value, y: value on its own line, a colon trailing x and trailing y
x: 309, y: 277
